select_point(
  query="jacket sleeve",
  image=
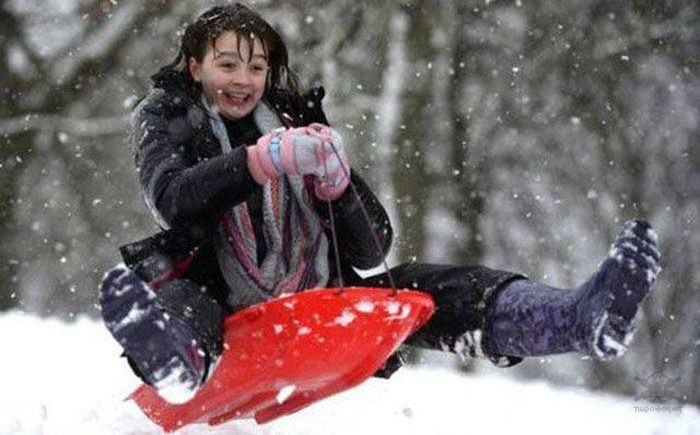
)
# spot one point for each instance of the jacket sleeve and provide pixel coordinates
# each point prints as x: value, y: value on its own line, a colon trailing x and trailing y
x: 178, y: 189
x: 355, y: 241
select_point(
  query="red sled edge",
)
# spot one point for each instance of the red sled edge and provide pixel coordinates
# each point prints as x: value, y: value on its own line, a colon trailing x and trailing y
x: 408, y: 310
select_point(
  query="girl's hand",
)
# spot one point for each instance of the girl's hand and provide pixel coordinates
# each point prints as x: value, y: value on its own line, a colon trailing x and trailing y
x: 336, y: 170
x: 302, y: 151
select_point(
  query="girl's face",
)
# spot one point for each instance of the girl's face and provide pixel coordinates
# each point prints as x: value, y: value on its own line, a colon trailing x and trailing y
x: 231, y: 81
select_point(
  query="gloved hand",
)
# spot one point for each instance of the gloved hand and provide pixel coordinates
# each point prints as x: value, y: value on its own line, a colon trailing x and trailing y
x: 302, y: 151
x: 335, y: 170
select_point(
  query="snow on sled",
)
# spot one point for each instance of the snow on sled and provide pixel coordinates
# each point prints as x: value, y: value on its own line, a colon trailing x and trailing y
x: 285, y: 354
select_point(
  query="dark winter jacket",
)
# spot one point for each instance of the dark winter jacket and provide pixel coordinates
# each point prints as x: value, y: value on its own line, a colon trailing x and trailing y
x: 188, y: 184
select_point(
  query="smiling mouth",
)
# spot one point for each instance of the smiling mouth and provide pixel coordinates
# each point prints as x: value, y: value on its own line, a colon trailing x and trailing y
x: 236, y: 99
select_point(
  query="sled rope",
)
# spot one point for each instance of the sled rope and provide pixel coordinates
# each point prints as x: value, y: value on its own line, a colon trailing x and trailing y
x: 375, y: 238
x: 335, y: 244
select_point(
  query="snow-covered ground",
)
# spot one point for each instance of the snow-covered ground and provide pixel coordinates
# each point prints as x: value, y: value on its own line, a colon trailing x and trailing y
x: 57, y: 378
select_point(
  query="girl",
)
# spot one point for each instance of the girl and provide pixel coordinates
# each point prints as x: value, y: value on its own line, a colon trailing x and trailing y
x: 239, y: 168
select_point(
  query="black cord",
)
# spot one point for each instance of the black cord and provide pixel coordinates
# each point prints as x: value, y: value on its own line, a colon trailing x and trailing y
x: 377, y: 244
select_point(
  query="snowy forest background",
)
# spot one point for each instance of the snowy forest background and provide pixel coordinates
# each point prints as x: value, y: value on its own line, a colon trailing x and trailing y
x: 517, y: 134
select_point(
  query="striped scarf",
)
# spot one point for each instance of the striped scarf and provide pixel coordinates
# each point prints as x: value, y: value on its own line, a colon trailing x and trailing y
x: 297, y: 247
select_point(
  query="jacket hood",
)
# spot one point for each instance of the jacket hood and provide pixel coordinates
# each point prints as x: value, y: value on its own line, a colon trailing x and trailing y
x: 172, y: 81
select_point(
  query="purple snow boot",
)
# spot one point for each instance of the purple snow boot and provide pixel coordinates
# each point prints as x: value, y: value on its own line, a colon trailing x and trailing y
x: 528, y: 319
x: 611, y: 298
x: 163, y: 349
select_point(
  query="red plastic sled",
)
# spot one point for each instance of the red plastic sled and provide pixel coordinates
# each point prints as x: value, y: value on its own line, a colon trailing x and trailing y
x: 281, y: 356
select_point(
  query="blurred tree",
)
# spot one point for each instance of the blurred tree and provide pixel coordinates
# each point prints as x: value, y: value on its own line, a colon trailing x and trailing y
x: 56, y: 66
x: 599, y: 129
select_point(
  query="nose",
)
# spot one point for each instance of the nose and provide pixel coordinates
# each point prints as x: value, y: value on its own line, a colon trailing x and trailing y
x: 240, y: 77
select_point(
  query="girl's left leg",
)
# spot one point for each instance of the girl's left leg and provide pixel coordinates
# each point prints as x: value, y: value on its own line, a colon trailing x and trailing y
x: 460, y: 294
x: 527, y: 319
x: 505, y: 317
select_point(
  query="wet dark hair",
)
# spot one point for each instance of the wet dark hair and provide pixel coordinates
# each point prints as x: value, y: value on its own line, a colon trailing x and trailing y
x: 248, y: 25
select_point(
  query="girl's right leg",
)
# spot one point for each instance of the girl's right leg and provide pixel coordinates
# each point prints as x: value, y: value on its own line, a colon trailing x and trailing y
x: 170, y: 338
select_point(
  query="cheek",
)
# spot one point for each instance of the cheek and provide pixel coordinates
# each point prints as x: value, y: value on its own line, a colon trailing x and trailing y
x: 260, y: 86
x: 213, y: 82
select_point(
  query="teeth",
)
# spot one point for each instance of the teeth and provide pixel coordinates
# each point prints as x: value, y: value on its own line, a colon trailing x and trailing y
x: 237, y: 100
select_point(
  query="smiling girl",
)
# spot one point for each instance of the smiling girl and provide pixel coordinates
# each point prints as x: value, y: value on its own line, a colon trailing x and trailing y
x: 238, y: 167
x: 233, y: 74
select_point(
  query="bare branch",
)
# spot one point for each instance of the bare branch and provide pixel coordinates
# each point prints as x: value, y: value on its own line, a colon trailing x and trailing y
x: 94, y: 46
x: 98, y: 56
x: 77, y: 127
